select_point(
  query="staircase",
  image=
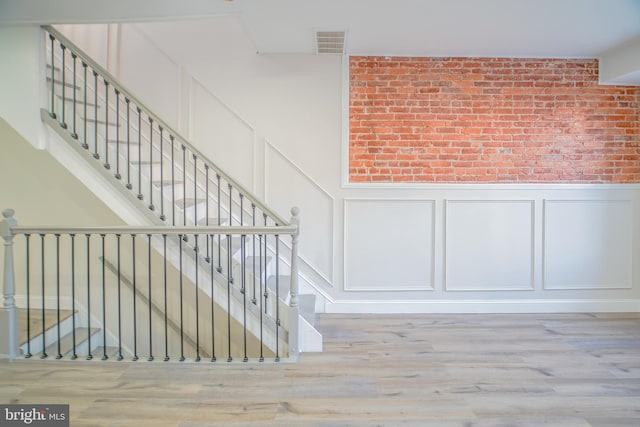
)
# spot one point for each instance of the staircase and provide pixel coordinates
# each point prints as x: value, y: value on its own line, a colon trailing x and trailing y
x: 227, y: 240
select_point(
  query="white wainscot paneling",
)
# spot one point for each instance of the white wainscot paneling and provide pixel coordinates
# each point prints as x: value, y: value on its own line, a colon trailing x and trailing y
x: 221, y: 135
x: 489, y: 245
x: 287, y: 186
x: 587, y: 244
x: 150, y: 74
x: 389, y: 245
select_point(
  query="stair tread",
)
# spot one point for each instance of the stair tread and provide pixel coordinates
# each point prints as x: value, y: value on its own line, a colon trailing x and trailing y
x: 66, y: 341
x: 35, y: 321
x: 165, y: 182
x: 122, y: 142
x: 100, y: 121
x: 149, y: 162
x: 189, y: 201
x: 213, y: 222
x: 251, y: 260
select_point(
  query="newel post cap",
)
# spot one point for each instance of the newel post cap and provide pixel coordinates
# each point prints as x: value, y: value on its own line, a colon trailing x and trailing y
x: 6, y: 223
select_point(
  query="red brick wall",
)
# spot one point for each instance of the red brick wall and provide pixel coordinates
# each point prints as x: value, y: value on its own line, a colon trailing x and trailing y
x: 494, y: 120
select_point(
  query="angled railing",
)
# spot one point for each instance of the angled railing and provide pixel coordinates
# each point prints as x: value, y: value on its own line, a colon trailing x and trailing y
x: 118, y: 292
x: 173, y: 178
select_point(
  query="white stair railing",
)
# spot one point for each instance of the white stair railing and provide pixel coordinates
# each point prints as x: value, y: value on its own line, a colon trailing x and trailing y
x: 123, y: 280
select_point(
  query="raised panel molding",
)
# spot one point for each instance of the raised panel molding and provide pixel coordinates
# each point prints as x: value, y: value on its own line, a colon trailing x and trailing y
x: 221, y: 135
x: 489, y: 245
x: 138, y: 59
x: 587, y: 244
x: 389, y: 245
x: 286, y: 185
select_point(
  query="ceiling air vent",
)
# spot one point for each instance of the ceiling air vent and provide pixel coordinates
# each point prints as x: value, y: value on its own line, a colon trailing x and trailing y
x: 330, y: 41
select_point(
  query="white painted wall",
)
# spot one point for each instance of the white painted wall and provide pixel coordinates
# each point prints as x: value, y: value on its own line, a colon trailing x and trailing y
x: 621, y: 65
x: 386, y: 248
x: 22, y: 80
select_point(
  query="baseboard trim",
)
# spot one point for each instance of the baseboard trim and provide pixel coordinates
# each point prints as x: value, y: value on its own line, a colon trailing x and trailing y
x: 484, y: 306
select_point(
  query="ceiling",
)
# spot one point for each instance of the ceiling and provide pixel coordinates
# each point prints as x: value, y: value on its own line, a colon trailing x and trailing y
x: 499, y: 28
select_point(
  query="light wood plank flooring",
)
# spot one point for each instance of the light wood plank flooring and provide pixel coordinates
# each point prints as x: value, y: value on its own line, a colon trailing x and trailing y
x: 529, y: 370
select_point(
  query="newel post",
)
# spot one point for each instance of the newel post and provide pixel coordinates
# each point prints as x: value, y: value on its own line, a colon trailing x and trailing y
x: 295, y: 220
x: 8, y: 316
x: 294, y: 328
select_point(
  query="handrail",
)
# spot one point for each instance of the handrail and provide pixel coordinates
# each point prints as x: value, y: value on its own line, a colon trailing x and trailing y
x: 224, y: 230
x: 114, y: 82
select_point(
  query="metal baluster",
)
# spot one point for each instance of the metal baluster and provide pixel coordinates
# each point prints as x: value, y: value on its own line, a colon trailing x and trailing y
x: 243, y: 285
x: 162, y: 217
x: 117, y: 92
x: 195, y: 190
x: 180, y: 237
x: 73, y: 295
x: 119, y: 301
x: 104, y: 305
x: 106, y: 125
x: 52, y: 112
x: 277, y: 297
x: 261, y: 300
x: 44, y: 347
x: 213, y: 333
x: 173, y: 183
x: 150, y: 358
x: 230, y: 204
x: 244, y: 296
x: 184, y: 186
x: 63, y: 123
x: 242, y: 243
x: 95, y: 115
x: 57, y: 236
x: 128, y: 185
x: 74, y: 134
x: 229, y: 254
x: 229, y: 358
x: 254, y: 300
x: 85, y: 143
x: 135, y: 316
x: 263, y: 271
x: 166, y: 334
x: 89, y: 356
x: 206, y: 218
x: 140, y: 197
x: 197, y: 299
x: 219, y: 224
x: 28, y: 281
x: 151, y: 207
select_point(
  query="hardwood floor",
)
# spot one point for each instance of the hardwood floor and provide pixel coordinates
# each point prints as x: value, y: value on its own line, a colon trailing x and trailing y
x: 529, y: 370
